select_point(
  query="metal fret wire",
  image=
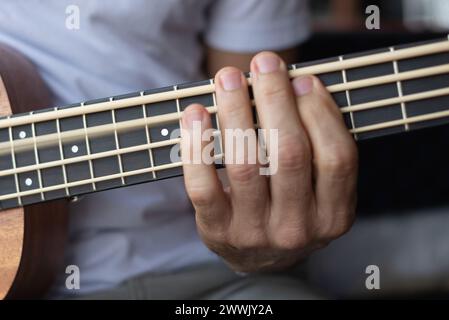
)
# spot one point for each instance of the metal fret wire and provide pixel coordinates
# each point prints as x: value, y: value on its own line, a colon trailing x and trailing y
x: 13, y: 160
x: 91, y: 168
x: 61, y: 154
x: 348, y: 97
x: 147, y: 133
x: 399, y: 87
x: 117, y: 144
x: 36, y: 156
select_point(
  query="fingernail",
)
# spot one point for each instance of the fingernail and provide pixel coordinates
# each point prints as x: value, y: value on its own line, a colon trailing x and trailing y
x: 231, y: 80
x: 302, y: 85
x: 191, y: 116
x: 267, y: 63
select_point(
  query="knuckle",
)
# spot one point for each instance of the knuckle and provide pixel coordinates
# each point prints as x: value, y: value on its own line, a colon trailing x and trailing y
x: 201, y: 196
x: 274, y: 92
x: 293, y: 155
x: 242, y: 172
x: 232, y: 109
x: 339, y: 159
x: 247, y: 240
x: 215, y: 238
x: 337, y: 229
x: 291, y: 239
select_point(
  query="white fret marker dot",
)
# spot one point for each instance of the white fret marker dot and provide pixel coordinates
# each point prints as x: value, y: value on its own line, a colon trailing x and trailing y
x: 164, y: 132
x: 22, y: 134
x: 28, y: 182
x: 75, y: 149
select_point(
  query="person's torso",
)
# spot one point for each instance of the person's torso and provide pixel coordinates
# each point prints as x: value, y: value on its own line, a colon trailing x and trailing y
x: 119, y: 46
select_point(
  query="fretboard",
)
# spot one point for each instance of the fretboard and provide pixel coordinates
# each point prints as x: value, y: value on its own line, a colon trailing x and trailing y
x: 68, y: 151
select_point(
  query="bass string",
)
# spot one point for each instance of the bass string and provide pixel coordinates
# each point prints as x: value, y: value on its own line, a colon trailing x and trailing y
x: 340, y: 65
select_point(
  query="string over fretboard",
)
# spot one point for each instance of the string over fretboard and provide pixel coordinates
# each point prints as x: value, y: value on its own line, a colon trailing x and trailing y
x: 124, y: 140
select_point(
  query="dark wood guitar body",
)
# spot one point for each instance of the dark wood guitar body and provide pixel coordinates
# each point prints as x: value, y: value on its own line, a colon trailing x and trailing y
x: 31, y: 238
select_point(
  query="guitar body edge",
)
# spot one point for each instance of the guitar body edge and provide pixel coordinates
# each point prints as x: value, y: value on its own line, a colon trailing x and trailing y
x: 32, y: 238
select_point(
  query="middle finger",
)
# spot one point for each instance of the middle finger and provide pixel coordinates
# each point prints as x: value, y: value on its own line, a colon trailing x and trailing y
x: 249, y: 190
x: 291, y: 185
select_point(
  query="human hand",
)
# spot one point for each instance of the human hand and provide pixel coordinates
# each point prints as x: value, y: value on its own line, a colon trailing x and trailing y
x: 270, y: 222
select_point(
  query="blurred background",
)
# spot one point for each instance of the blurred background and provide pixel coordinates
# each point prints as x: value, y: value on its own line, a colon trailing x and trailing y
x: 413, y: 169
x: 403, y: 210
x: 397, y: 15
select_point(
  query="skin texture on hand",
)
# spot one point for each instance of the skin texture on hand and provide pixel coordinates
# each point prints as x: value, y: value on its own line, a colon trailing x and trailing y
x: 262, y: 222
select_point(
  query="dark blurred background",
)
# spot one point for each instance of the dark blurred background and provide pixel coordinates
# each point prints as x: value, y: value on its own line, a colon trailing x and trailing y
x: 405, y: 171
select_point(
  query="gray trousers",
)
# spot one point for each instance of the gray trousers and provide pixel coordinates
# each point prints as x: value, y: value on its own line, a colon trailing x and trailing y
x: 412, y: 253
x: 211, y: 281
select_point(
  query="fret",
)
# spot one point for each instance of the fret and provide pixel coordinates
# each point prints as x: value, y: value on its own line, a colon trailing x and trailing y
x: 427, y: 83
x: 74, y: 148
x: 134, y: 137
x: 39, y: 174
x: 178, y: 110
x: 91, y: 169
x: 423, y: 62
x: 29, y: 181
x: 369, y: 71
x: 5, y: 160
x: 9, y: 183
x: 162, y: 155
x: 61, y: 154
x: 427, y: 106
x: 13, y: 159
x: 148, y: 140
x: 206, y: 100
x: 22, y: 132
x: 106, y: 142
x: 162, y: 132
x: 218, y: 141
x: 328, y: 79
x: 374, y: 93
x: 250, y: 88
x: 348, y: 99
x: 8, y: 186
x: 24, y: 157
x: 117, y: 144
x: 430, y: 105
x: 399, y: 87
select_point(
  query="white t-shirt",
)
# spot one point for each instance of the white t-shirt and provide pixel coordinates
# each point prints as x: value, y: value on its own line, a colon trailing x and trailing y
x: 124, y: 46
x: 427, y: 13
